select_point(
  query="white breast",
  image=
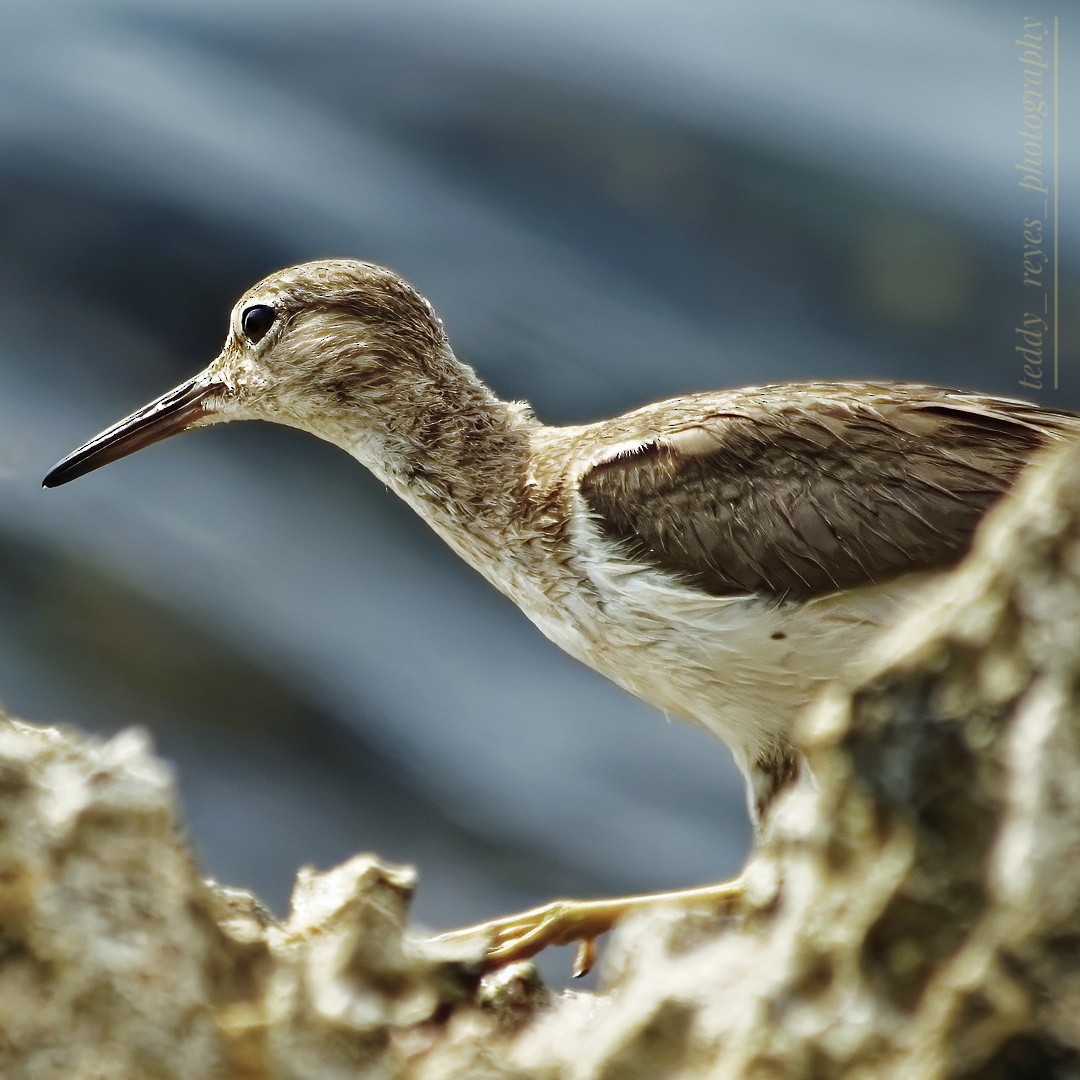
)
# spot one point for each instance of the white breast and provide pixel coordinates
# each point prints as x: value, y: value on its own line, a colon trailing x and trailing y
x: 741, y: 667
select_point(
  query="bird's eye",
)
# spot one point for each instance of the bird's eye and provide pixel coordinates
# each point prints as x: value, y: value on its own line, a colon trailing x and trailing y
x: 256, y: 322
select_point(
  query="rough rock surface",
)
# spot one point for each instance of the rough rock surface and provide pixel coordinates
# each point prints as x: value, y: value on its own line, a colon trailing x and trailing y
x: 916, y: 915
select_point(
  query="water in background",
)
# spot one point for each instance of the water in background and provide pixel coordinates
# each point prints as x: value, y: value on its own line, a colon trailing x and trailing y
x: 607, y: 204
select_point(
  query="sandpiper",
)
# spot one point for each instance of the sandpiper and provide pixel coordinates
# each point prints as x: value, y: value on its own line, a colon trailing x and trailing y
x: 720, y: 555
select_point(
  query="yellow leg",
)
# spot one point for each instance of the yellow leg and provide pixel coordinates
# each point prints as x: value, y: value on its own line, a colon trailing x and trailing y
x: 517, y: 937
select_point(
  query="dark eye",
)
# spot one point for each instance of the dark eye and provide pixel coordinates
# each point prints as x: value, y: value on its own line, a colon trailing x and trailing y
x: 256, y: 322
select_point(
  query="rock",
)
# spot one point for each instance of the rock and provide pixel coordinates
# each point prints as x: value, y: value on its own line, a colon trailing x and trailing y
x: 118, y: 960
x: 108, y: 960
x: 915, y: 914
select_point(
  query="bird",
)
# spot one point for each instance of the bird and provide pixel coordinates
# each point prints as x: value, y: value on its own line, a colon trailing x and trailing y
x: 721, y: 555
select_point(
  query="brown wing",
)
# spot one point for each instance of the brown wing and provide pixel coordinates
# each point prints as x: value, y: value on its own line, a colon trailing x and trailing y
x: 801, y: 500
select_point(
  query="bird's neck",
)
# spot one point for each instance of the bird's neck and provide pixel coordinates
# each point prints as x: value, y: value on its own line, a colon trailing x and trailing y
x: 457, y: 453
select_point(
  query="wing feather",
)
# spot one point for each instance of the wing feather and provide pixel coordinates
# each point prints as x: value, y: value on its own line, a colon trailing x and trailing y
x: 811, y: 494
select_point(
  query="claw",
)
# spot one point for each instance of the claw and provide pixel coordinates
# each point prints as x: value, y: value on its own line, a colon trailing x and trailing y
x: 585, y: 957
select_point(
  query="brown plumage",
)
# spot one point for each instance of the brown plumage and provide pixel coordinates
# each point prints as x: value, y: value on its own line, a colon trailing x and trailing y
x: 720, y: 555
x: 803, y: 489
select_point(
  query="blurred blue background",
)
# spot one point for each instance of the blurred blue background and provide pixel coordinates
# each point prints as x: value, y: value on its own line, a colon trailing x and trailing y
x: 608, y: 203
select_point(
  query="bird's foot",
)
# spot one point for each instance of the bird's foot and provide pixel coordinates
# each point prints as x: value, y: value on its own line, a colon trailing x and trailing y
x: 562, y: 922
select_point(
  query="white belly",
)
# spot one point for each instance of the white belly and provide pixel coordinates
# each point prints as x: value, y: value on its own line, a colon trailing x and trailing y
x: 740, y: 667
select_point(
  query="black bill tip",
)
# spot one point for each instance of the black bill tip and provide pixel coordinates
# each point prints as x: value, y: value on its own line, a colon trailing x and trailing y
x: 170, y: 414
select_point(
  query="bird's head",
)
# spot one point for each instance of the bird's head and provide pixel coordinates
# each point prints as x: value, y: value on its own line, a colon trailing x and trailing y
x: 346, y: 350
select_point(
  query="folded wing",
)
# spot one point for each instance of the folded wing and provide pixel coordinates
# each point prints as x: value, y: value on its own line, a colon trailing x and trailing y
x: 801, y: 494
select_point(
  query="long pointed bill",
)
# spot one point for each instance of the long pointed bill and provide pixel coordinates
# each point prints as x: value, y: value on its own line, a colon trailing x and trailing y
x: 170, y: 414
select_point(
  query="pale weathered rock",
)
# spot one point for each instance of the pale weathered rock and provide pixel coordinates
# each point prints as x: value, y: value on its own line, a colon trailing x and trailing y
x: 98, y: 896
x: 916, y: 915
x: 119, y: 961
